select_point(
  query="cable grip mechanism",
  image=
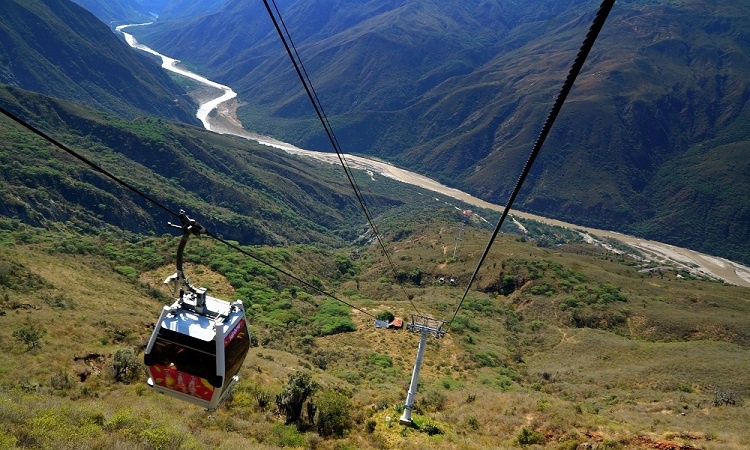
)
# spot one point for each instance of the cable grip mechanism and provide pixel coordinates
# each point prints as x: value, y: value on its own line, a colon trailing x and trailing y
x: 186, y: 293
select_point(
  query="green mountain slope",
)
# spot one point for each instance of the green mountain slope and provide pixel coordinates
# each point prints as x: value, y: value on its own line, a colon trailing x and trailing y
x: 459, y: 91
x: 116, y: 12
x: 140, y: 11
x: 57, y: 48
x: 177, y: 9
x: 241, y: 190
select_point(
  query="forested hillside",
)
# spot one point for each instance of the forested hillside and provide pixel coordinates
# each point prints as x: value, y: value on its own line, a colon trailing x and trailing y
x: 242, y: 190
x: 177, y: 9
x: 459, y: 91
x: 57, y: 48
x: 119, y: 12
x: 116, y: 12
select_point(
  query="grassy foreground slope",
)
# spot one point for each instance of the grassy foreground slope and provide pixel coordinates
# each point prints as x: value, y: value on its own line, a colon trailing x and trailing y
x: 556, y: 348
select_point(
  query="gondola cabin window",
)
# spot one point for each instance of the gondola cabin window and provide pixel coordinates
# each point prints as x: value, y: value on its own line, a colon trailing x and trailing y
x: 185, y: 354
x: 237, y: 345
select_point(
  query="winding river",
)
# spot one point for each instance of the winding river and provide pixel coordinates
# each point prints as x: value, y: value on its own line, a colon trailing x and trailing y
x: 171, y: 65
x: 226, y: 123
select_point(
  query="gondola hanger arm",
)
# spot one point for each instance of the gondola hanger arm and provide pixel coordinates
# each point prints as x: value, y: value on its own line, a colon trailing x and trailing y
x: 180, y: 284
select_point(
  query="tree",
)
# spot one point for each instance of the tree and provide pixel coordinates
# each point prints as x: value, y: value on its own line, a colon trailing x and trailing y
x: 344, y: 264
x: 530, y: 437
x: 30, y: 335
x: 291, y: 399
x: 507, y: 284
x: 386, y: 316
x: 333, y: 414
x: 126, y: 366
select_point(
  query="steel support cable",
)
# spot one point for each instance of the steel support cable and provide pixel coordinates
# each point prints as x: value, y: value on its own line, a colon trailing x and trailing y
x: 160, y: 205
x: 314, y: 100
x: 588, y: 43
x: 307, y: 85
x: 322, y: 116
x: 328, y: 127
x: 318, y: 106
x: 81, y: 158
x: 335, y: 143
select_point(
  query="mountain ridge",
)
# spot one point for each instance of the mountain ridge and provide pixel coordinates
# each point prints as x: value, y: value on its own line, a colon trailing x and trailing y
x: 239, y: 189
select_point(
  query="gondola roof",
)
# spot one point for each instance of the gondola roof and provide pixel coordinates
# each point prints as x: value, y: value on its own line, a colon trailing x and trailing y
x: 199, y: 326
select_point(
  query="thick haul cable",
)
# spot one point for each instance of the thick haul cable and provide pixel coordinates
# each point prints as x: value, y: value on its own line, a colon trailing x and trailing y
x: 588, y: 43
x: 315, y: 101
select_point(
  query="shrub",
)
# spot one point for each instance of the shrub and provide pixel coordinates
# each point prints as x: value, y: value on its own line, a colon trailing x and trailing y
x: 126, y: 366
x: 263, y: 398
x: 59, y: 301
x: 350, y: 376
x: 159, y: 438
x: 529, y: 437
x: 291, y: 399
x: 61, y: 381
x: 30, y: 335
x: 120, y: 421
x: 332, y: 318
x: 386, y: 316
x: 321, y: 359
x: 461, y: 324
x: 379, y: 360
x: 333, y: 414
x: 431, y: 429
x: 7, y: 440
x: 18, y: 278
x: 433, y: 401
x: 507, y: 284
x: 543, y: 288
x: 587, y: 317
x: 345, y: 265
x: 286, y: 436
x: 486, y: 359
x: 726, y: 397
x: 127, y: 272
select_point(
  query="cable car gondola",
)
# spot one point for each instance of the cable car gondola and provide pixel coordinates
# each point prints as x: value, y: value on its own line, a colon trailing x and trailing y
x: 199, y: 342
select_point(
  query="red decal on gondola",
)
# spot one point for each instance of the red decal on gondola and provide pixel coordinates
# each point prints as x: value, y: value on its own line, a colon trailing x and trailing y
x: 171, y: 378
